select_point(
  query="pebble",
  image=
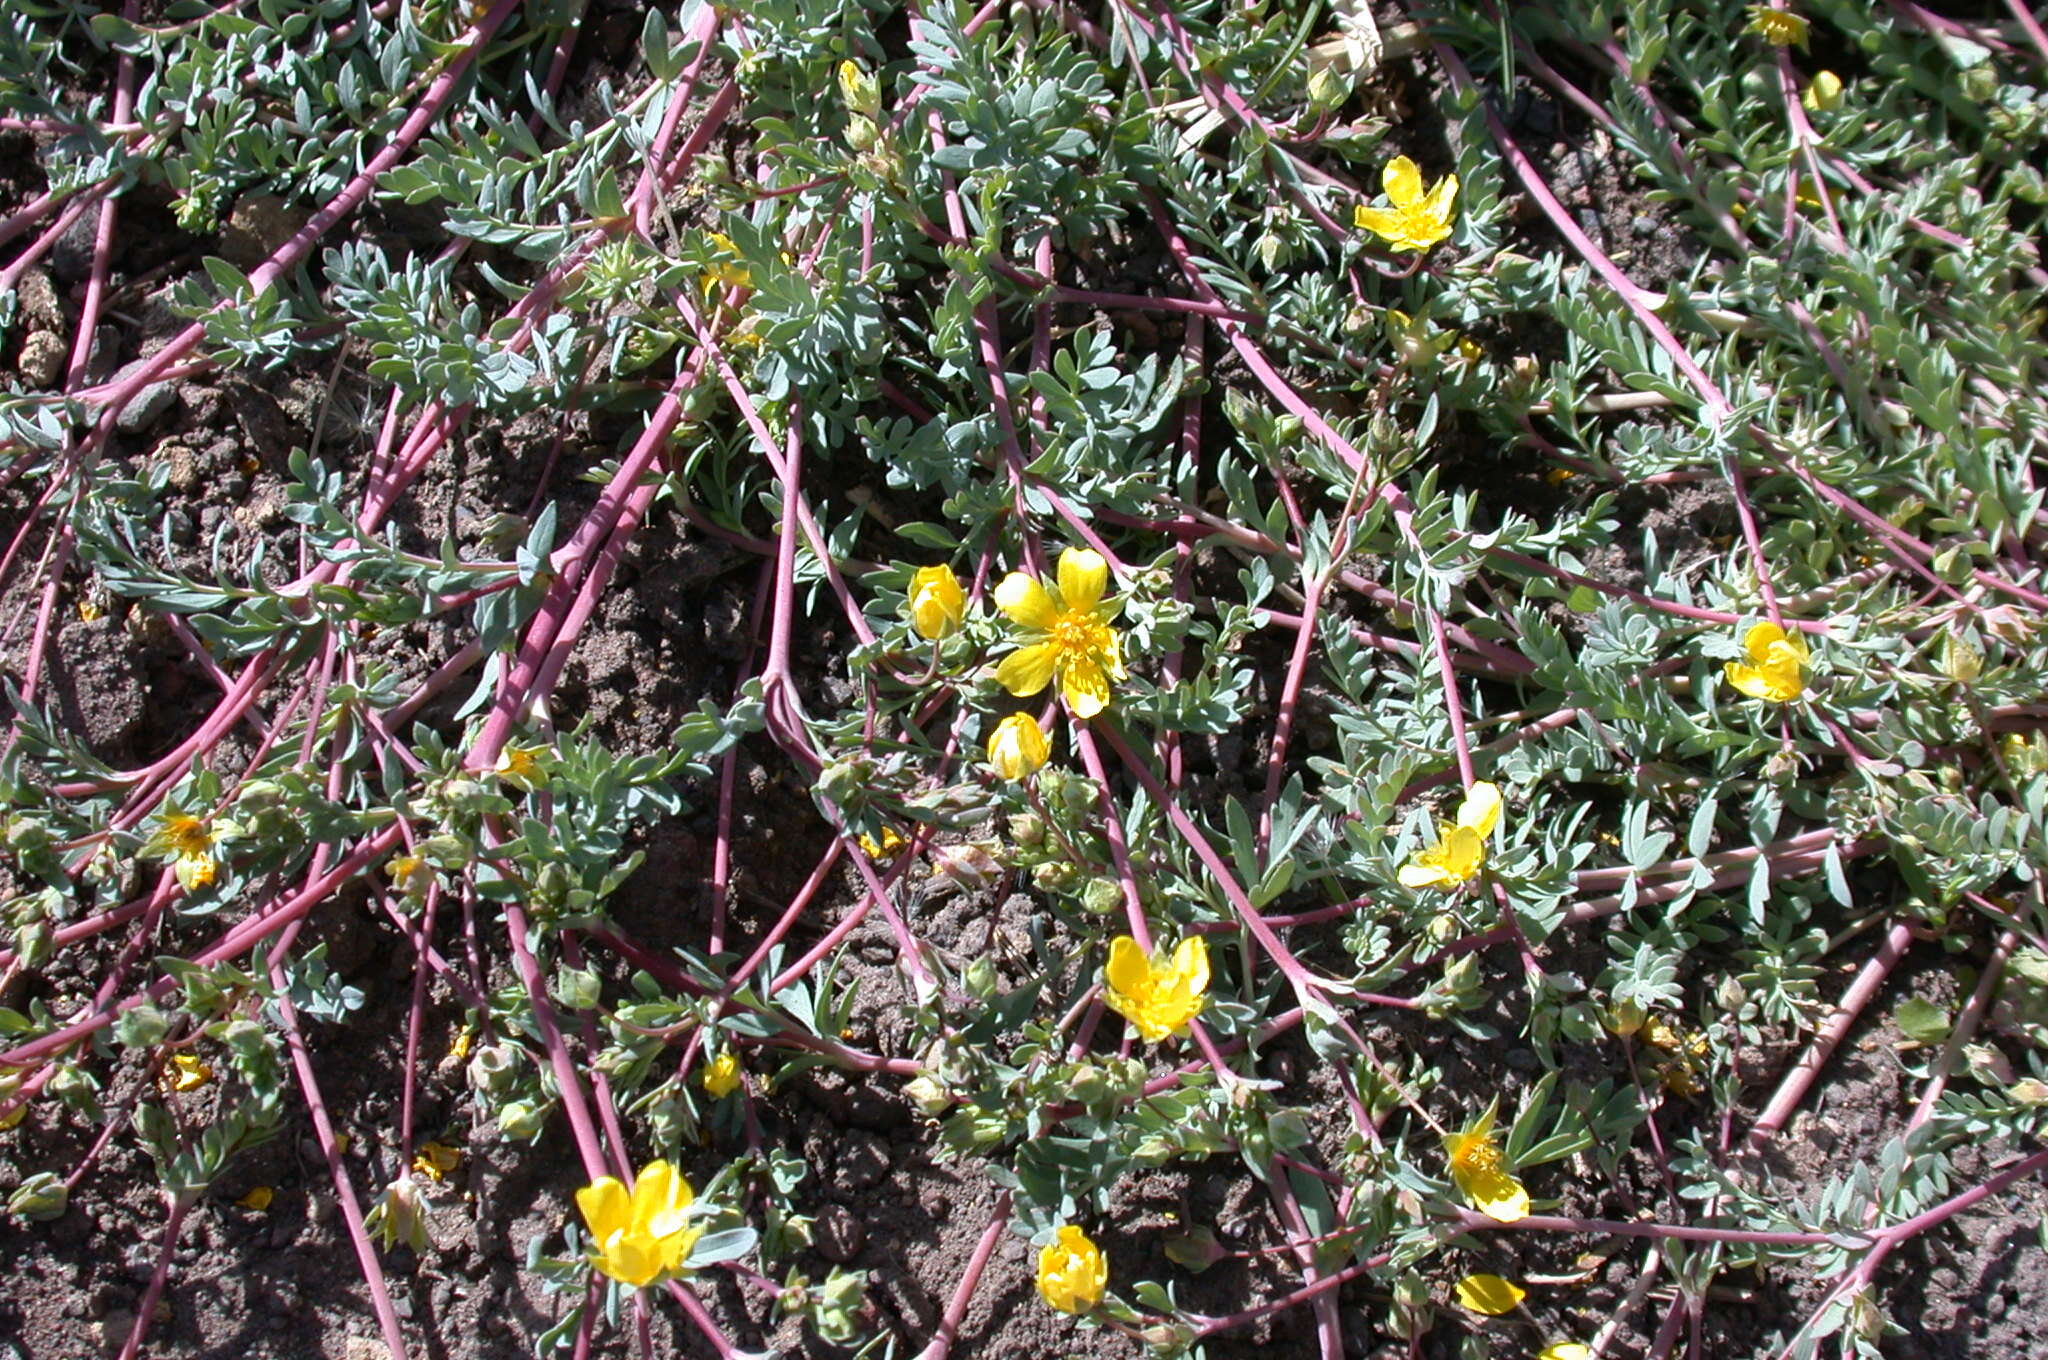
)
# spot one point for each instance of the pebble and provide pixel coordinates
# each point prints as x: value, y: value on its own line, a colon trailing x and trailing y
x: 42, y: 359
x: 112, y: 1331
x: 146, y: 407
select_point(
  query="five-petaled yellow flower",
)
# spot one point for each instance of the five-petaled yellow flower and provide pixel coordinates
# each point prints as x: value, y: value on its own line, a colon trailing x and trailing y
x: 1158, y: 994
x: 1480, y: 1177
x: 1417, y: 220
x: 1460, y: 845
x: 1067, y: 633
x: 1071, y: 1272
x: 721, y: 1075
x: 936, y: 602
x: 1565, y: 1350
x: 642, y: 1235
x: 1018, y: 748
x: 1489, y: 1295
x: 1776, y: 669
x: 1779, y: 28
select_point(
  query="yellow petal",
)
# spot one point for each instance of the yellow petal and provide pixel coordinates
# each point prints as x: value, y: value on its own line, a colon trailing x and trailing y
x: 1565, y: 1350
x: 1083, y: 574
x: 1402, y: 180
x: 659, y: 1198
x: 607, y: 1208
x: 1424, y: 872
x: 1441, y: 202
x: 1128, y: 970
x: 1026, y: 602
x: 1381, y: 221
x: 1083, y: 685
x: 1772, y: 684
x: 1496, y: 1194
x: 1191, y: 964
x: 1757, y: 641
x: 1489, y: 1294
x: 1481, y: 809
x: 630, y: 1259
x: 1028, y: 669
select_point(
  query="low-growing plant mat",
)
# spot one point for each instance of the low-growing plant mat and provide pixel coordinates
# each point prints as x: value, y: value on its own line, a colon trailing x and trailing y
x: 1038, y: 679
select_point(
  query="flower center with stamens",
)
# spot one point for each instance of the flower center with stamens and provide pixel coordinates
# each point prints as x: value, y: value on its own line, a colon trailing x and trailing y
x: 1079, y: 634
x: 1478, y: 1157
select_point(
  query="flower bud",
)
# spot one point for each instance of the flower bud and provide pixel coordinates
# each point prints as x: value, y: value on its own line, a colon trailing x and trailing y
x: 1624, y: 1018
x: 928, y: 1095
x: 936, y: 602
x: 1823, y: 93
x: 1027, y: 829
x: 39, y: 1198
x: 1102, y: 895
x: 521, y: 1119
x: 969, y: 867
x: 1017, y: 749
x: 861, y: 91
x: 494, y: 1069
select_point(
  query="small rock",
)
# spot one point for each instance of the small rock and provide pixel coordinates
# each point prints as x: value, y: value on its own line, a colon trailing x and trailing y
x: 146, y: 407
x: 42, y: 359
x: 112, y: 1331
x: 37, y: 297
x: 364, y: 1348
x: 838, y: 1234
x: 181, y: 466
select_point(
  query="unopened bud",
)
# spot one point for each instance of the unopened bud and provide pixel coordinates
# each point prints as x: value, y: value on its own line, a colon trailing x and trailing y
x: 40, y: 1198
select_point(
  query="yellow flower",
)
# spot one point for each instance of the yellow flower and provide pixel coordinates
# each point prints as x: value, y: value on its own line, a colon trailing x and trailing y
x: 1074, y: 643
x: 196, y: 871
x: 1017, y: 748
x: 1417, y: 220
x: 186, y: 1073
x: 188, y: 842
x: 937, y: 604
x: 520, y: 767
x: 436, y: 1160
x: 1490, y: 1294
x: 883, y: 849
x: 1157, y: 994
x: 1071, y: 1272
x: 1823, y: 93
x: 721, y: 1075
x: 410, y: 874
x: 257, y: 1199
x: 1460, y: 845
x: 730, y: 270
x: 1564, y: 1350
x: 1779, y: 28
x: 642, y: 1235
x: 1476, y: 1168
x: 861, y: 91
x: 1776, y: 668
